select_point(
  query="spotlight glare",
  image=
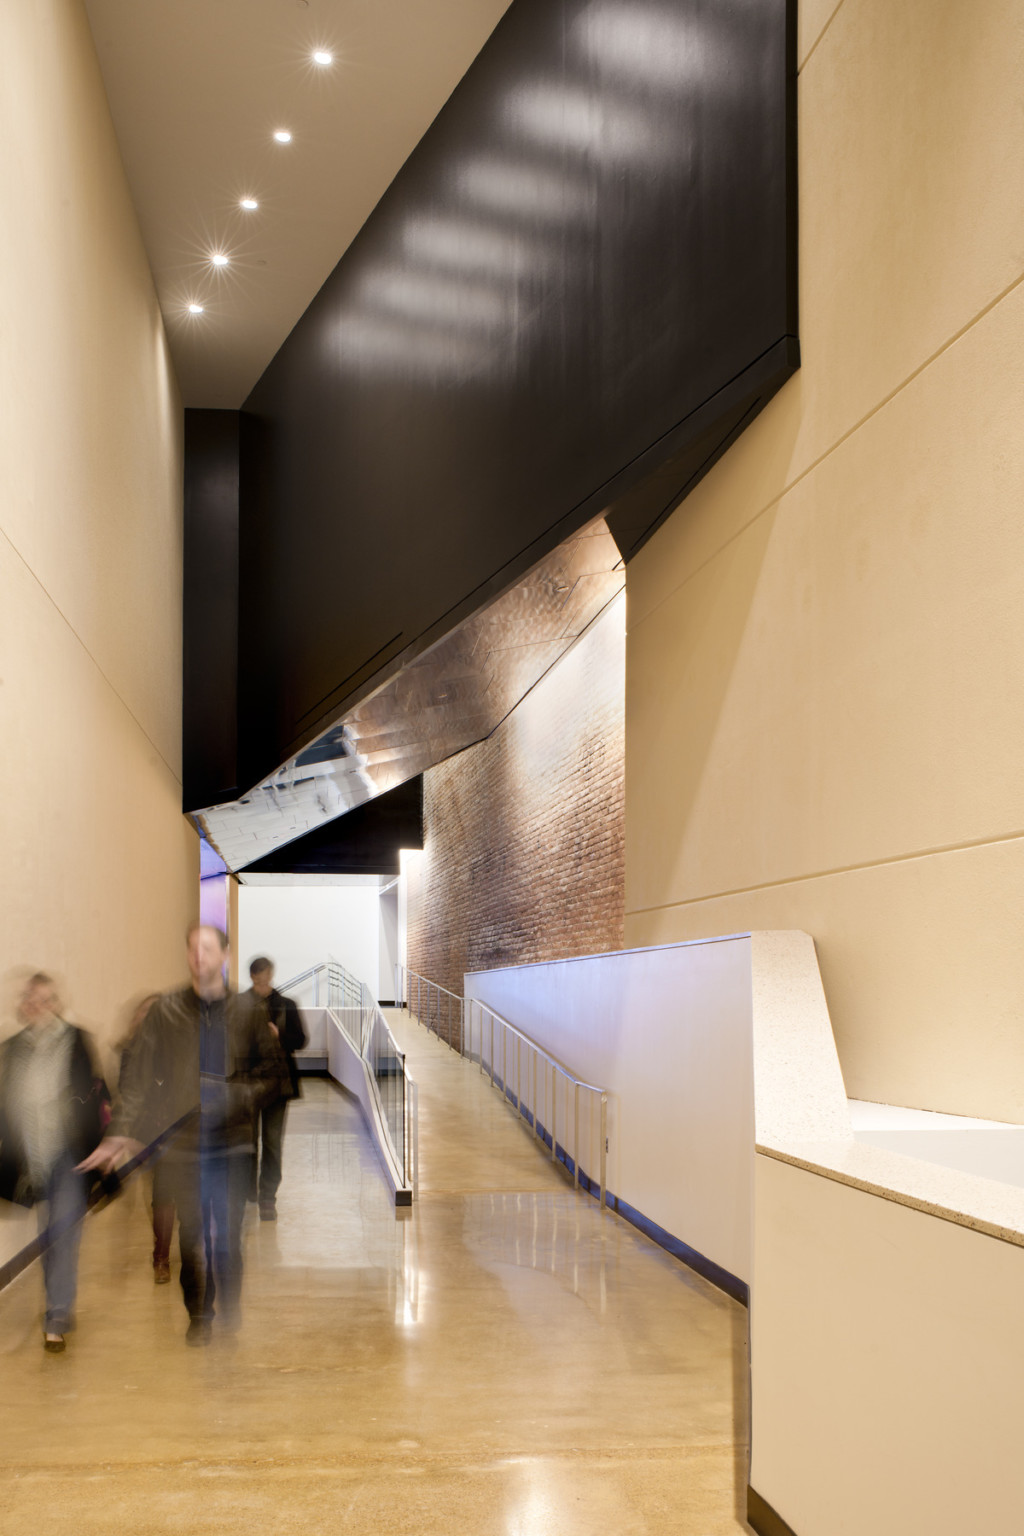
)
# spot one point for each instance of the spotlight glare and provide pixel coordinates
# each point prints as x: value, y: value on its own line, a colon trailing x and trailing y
x: 219, y: 259
x: 323, y: 57
x: 248, y: 202
x: 282, y: 136
x: 195, y: 309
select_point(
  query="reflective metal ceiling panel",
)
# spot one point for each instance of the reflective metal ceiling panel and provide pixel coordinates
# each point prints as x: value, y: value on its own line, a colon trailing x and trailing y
x: 446, y: 699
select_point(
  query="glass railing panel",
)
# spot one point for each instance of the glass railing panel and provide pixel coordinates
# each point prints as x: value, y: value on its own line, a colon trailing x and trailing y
x: 387, y: 1065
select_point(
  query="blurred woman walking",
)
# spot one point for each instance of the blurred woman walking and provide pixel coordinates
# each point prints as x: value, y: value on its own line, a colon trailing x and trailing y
x: 54, y: 1106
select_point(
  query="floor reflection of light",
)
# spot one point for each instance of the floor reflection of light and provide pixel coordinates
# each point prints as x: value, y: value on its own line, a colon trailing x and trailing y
x: 531, y: 1508
x: 411, y: 1285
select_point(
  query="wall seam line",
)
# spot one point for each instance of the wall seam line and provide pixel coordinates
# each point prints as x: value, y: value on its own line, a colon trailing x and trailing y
x: 835, y: 446
x: 82, y: 645
x: 828, y: 874
x: 814, y: 46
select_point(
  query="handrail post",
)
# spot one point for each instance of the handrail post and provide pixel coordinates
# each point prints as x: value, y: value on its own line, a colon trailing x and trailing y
x: 405, y: 1122
x: 576, y: 1137
x: 604, y: 1147
x: 491, y: 1063
x: 554, y: 1110
x: 536, y: 1059
x: 519, y: 1079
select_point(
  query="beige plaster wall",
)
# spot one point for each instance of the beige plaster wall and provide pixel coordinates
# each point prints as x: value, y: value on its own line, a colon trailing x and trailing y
x: 887, y: 1349
x: 825, y: 655
x: 99, y: 872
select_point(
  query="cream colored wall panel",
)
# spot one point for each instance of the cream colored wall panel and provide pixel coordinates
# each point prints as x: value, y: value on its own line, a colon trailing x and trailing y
x: 100, y: 870
x: 923, y: 969
x: 748, y: 482
x: 99, y: 874
x: 824, y: 650
x: 815, y: 696
x: 887, y: 1352
x: 89, y: 410
x: 910, y: 139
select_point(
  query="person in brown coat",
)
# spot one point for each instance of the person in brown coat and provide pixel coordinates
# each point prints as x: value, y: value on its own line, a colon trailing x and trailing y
x: 203, y: 1064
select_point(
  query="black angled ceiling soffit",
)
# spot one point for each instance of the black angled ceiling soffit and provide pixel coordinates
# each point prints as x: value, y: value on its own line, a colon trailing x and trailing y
x: 578, y: 291
x: 210, y: 608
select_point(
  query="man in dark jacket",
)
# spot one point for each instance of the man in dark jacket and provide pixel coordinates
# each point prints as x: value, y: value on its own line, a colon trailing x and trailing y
x: 204, y: 1061
x: 285, y: 1026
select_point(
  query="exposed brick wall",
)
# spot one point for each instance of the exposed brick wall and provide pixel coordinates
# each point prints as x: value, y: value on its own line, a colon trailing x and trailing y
x: 524, y: 850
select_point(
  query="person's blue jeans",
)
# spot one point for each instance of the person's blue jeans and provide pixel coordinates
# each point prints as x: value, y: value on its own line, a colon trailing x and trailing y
x: 209, y: 1191
x: 65, y: 1197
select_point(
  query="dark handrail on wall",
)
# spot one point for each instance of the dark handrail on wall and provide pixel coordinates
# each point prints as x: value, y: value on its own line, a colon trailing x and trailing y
x: 106, y: 1190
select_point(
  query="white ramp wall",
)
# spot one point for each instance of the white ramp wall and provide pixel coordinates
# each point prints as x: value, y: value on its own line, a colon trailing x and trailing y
x: 669, y: 1032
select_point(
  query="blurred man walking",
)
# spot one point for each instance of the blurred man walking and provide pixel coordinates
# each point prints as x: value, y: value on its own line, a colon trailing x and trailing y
x: 204, y: 1058
x: 285, y: 1025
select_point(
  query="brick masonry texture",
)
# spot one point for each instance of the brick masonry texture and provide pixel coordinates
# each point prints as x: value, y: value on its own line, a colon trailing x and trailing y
x: 524, y: 847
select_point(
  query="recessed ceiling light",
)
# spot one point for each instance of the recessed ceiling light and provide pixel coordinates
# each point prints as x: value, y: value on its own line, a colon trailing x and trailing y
x: 282, y: 136
x: 323, y: 57
x: 219, y: 259
x: 248, y: 202
x: 195, y: 309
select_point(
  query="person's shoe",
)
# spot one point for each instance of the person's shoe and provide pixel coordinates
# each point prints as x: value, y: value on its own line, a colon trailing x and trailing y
x: 161, y: 1272
x: 198, y: 1332
x: 54, y: 1343
x: 268, y: 1212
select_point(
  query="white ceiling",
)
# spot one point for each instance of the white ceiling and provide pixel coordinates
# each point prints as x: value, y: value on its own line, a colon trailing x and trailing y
x: 197, y: 88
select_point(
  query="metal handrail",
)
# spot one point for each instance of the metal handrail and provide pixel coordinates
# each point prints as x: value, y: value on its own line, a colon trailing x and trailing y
x: 377, y: 1047
x: 336, y: 974
x: 530, y: 1097
x: 533, y: 1093
x: 435, y: 1013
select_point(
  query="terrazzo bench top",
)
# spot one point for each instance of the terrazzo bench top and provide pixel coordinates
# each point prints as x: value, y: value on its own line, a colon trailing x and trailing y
x: 803, y: 1116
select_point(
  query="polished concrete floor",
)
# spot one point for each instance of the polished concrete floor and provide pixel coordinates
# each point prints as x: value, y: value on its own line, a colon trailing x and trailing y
x: 503, y: 1360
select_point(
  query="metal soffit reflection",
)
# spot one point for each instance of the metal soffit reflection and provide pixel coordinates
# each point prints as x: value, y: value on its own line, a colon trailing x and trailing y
x: 438, y: 703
